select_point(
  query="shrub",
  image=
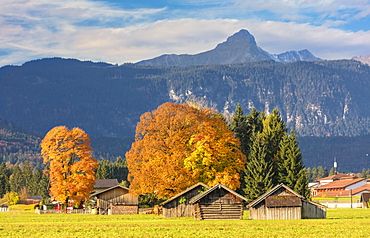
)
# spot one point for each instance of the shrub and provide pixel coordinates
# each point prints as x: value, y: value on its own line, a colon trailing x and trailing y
x: 12, y: 198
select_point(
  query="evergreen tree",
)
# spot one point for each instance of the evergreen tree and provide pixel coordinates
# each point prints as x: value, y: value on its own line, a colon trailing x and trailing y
x: 43, y: 188
x: 33, y: 185
x: 239, y: 127
x: 27, y: 174
x: 291, y: 171
x: 103, y: 169
x: 258, y: 174
x: 332, y: 171
x: 120, y: 170
x: 321, y: 172
x: 313, y: 174
x: 4, y: 180
x: 16, y: 180
x: 364, y: 173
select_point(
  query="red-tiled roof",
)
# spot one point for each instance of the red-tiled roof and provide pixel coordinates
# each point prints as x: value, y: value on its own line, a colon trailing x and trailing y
x: 338, y: 176
x: 340, y: 184
x: 361, y: 189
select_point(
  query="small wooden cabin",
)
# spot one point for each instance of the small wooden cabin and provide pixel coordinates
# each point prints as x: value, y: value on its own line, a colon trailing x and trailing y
x: 365, y: 199
x: 116, y: 200
x: 179, y: 205
x: 282, y: 202
x: 218, y: 203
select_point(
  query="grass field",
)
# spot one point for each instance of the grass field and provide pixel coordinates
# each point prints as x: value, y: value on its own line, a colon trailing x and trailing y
x: 339, y: 223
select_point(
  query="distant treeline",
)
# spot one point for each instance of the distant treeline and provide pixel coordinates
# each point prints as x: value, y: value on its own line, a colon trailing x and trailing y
x: 26, y: 180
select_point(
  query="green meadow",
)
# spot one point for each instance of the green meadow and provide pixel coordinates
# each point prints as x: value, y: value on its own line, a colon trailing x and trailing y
x: 25, y: 223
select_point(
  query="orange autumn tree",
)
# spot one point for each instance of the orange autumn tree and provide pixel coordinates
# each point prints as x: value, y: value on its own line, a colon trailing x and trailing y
x: 164, y: 158
x: 71, y: 166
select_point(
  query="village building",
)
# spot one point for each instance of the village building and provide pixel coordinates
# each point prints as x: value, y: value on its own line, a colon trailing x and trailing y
x: 342, y: 193
x: 218, y: 203
x: 282, y: 202
x: 179, y: 205
x: 116, y: 200
x: 338, y: 186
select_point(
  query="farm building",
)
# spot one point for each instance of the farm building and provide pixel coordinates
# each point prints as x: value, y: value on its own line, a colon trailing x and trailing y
x: 179, y: 206
x: 116, y: 200
x: 282, y: 202
x: 219, y: 202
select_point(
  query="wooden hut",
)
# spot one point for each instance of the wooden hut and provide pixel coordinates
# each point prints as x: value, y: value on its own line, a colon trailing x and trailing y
x: 282, y: 202
x: 220, y: 203
x: 365, y: 199
x: 116, y: 200
x: 179, y: 206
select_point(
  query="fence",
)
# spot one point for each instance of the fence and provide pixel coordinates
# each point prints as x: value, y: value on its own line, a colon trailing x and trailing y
x: 3, y: 209
x: 69, y: 211
x: 340, y: 202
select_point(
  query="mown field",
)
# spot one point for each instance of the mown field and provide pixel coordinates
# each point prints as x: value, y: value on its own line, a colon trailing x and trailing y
x: 339, y: 223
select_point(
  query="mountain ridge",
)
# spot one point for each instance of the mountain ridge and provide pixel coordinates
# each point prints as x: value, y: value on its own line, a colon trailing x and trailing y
x: 241, y: 47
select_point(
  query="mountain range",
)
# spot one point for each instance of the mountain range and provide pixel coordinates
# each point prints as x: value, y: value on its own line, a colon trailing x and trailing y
x: 318, y: 98
x: 238, y: 48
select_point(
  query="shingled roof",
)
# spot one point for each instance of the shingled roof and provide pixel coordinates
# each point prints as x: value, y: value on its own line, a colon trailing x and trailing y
x: 217, y: 186
x: 105, y: 190
x: 183, y: 192
x: 270, y: 192
x: 105, y: 183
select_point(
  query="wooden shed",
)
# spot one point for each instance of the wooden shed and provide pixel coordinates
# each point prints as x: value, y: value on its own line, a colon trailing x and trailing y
x: 282, y: 202
x: 179, y: 205
x: 116, y: 200
x: 218, y: 203
x: 365, y: 199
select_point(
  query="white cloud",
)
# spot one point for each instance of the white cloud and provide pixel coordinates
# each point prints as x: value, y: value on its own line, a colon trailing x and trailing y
x: 41, y: 28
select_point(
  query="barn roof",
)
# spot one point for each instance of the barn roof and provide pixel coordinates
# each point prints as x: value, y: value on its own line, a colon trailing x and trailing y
x: 269, y: 193
x: 340, y: 184
x: 183, y: 192
x: 105, y: 183
x: 217, y: 186
x: 108, y: 189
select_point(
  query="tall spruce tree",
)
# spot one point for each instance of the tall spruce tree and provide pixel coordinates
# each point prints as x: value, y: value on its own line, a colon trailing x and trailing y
x: 291, y: 171
x: 4, y: 180
x: 244, y: 126
x: 239, y: 127
x: 258, y: 174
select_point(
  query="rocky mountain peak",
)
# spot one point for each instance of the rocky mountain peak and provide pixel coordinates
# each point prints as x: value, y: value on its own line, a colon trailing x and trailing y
x: 241, y: 38
x: 241, y: 47
x: 364, y: 59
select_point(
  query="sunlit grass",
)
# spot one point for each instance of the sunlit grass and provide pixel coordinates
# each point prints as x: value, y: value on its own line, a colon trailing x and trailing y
x: 339, y: 223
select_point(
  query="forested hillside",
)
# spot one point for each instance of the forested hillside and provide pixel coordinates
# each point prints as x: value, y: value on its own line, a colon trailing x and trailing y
x: 323, y: 98
x: 317, y: 98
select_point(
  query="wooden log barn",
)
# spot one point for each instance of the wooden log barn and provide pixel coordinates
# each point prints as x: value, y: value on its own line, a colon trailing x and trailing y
x: 179, y: 206
x: 218, y: 203
x: 116, y: 200
x: 281, y: 202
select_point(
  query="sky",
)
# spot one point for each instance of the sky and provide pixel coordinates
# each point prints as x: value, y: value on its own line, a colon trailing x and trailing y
x: 123, y: 31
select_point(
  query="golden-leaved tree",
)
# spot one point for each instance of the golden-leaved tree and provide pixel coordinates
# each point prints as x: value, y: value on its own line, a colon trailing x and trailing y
x: 71, y: 166
x: 178, y: 145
